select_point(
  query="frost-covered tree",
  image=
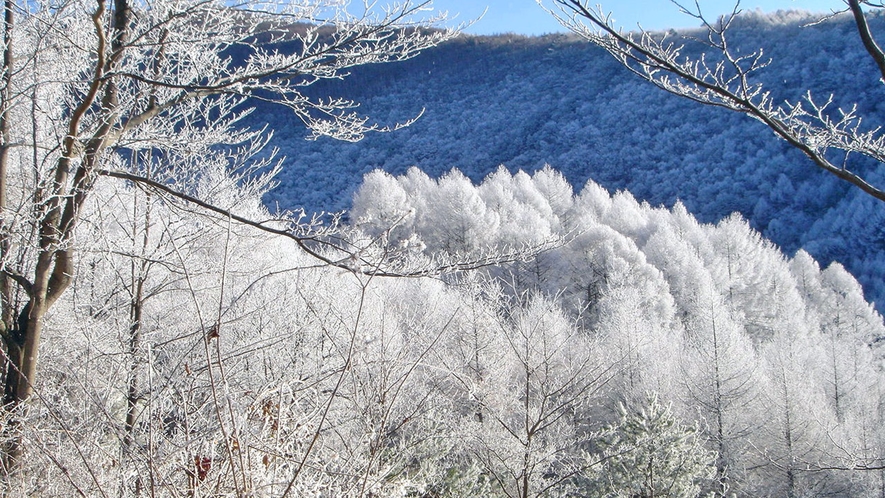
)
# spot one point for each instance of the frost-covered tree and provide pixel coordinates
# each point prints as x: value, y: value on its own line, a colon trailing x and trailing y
x: 720, y: 369
x: 149, y: 92
x: 540, y: 378
x: 793, y: 433
x: 650, y: 453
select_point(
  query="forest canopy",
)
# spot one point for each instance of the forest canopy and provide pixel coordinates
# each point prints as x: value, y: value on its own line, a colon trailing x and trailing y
x: 561, y: 101
x: 519, y: 378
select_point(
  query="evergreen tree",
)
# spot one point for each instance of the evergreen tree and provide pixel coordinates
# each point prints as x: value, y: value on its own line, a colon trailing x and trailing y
x: 650, y: 453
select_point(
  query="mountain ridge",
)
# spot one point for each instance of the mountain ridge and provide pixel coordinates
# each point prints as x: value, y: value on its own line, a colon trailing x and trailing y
x: 526, y: 102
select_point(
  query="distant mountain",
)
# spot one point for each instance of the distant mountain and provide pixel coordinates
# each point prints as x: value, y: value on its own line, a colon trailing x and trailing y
x: 526, y: 102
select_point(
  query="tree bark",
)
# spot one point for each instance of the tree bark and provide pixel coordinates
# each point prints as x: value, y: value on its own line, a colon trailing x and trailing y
x: 63, y: 204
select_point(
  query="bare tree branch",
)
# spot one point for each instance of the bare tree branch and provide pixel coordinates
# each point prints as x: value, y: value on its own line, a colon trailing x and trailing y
x: 866, y: 36
x: 352, y: 258
x: 728, y: 83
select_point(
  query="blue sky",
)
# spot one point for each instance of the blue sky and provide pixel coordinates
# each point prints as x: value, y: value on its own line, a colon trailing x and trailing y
x: 525, y: 17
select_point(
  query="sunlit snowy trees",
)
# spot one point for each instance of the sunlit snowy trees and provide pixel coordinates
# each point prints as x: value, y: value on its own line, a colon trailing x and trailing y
x: 195, y: 344
x: 152, y: 93
x: 713, y: 318
x: 541, y: 380
x: 254, y: 368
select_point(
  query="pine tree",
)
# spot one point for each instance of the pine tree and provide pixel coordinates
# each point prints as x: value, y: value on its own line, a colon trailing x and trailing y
x: 649, y: 453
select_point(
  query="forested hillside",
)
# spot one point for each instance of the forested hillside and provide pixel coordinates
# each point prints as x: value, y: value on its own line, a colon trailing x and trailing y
x: 164, y: 332
x: 642, y: 352
x: 526, y: 102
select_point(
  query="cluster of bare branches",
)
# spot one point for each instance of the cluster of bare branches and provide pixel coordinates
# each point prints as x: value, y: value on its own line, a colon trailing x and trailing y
x: 726, y: 77
x: 153, y: 93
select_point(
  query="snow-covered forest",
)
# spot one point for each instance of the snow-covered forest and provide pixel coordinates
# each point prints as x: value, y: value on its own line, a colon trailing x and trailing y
x: 528, y: 102
x: 256, y: 369
x: 166, y: 331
